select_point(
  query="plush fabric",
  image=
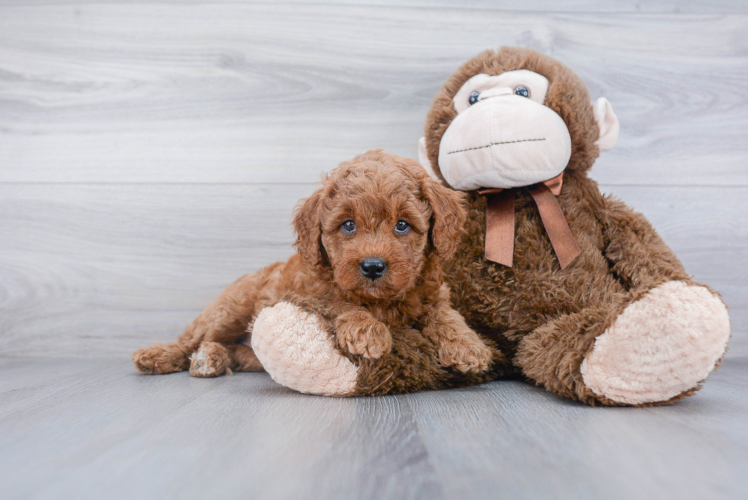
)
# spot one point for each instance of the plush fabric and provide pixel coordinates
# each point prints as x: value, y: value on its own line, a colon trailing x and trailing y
x: 648, y: 355
x: 546, y: 318
x: 623, y: 324
x: 285, y: 332
x: 474, y: 155
x: 532, y: 145
x: 296, y: 343
x: 607, y: 121
x: 489, y: 86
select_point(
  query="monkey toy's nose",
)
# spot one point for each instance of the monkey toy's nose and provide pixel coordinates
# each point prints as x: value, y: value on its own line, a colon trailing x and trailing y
x: 372, y: 267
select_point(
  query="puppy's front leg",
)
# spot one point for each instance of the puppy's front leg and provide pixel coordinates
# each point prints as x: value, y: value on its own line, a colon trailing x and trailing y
x: 457, y: 344
x: 359, y: 332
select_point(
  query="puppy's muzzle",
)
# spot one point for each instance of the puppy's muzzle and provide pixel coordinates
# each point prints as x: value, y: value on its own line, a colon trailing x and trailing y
x: 373, y: 267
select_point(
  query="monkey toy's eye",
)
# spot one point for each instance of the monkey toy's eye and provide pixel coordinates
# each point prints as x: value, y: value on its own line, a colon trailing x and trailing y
x: 522, y: 90
x: 402, y: 227
x: 348, y: 227
x: 474, y: 98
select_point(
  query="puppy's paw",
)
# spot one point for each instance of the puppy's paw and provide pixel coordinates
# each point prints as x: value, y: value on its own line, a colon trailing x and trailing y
x: 359, y: 333
x: 211, y: 360
x: 468, y: 354
x: 159, y: 359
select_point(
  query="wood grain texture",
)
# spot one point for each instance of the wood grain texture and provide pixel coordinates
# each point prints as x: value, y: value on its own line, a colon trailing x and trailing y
x: 597, y: 6
x: 255, y: 92
x: 151, y: 153
x: 104, y: 268
x: 91, y: 428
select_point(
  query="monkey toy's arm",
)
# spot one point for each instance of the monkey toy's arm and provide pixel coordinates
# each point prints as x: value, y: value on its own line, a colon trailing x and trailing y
x: 650, y: 344
x: 638, y: 256
x: 296, y: 342
x: 682, y: 319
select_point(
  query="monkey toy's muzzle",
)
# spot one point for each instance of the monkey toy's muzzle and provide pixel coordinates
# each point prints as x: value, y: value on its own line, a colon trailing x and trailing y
x: 503, y: 141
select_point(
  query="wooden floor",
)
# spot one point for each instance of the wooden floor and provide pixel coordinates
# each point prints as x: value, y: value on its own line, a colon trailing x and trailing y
x: 90, y: 428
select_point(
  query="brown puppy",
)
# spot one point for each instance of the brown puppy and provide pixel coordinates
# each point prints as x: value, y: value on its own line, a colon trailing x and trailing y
x: 370, y: 243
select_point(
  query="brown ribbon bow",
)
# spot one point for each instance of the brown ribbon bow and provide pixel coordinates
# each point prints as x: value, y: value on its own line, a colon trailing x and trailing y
x: 500, y: 222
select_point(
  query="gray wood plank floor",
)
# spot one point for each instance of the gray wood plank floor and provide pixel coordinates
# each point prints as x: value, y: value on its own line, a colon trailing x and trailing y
x: 90, y: 428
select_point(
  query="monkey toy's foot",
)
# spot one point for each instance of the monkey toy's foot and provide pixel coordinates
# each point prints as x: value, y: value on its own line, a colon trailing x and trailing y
x: 660, y: 348
x: 299, y: 353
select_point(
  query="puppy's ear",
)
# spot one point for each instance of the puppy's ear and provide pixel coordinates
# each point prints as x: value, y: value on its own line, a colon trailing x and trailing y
x: 448, y: 217
x: 307, y: 223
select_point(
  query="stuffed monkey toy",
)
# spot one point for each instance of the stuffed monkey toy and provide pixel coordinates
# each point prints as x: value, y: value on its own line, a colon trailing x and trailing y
x: 577, y: 291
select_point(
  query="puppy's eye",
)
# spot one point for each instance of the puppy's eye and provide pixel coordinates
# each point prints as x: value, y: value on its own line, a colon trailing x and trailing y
x: 348, y: 227
x: 473, y: 98
x: 522, y: 91
x: 402, y: 227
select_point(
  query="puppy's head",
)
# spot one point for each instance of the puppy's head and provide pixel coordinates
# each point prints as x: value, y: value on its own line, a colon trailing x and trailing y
x: 375, y: 220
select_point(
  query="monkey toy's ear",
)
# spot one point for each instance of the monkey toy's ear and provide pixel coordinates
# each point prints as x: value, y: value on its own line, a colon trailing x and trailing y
x: 307, y: 224
x: 423, y: 159
x: 607, y: 122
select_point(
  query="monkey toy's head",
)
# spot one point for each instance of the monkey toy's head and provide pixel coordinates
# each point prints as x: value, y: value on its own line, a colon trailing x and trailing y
x: 513, y: 118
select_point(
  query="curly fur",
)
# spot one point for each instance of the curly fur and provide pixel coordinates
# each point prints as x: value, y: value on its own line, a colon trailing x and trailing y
x: 406, y: 310
x: 546, y: 320
x: 541, y: 322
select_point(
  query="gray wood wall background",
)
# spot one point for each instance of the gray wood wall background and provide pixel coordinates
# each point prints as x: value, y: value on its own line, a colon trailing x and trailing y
x: 152, y: 152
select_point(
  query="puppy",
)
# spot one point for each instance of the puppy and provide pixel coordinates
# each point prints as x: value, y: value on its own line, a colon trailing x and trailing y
x: 369, y: 244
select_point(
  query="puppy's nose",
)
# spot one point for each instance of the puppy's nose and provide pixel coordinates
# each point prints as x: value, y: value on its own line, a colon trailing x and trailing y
x: 373, y: 267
